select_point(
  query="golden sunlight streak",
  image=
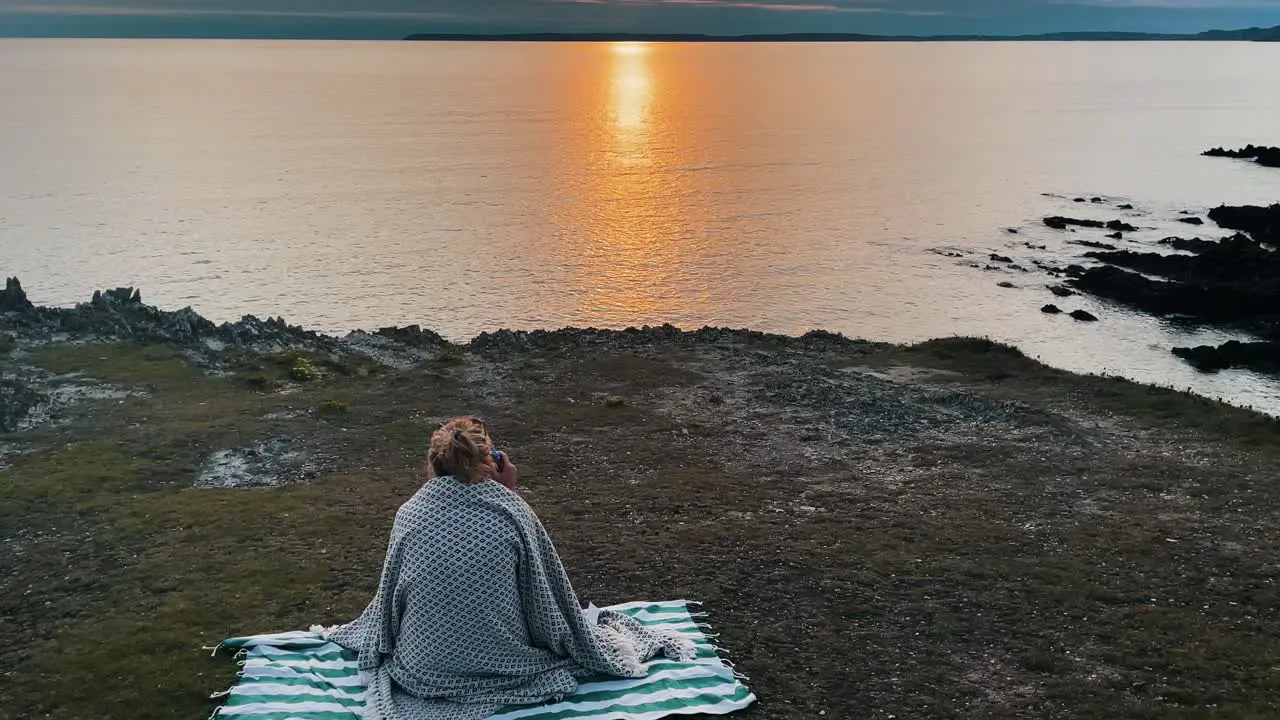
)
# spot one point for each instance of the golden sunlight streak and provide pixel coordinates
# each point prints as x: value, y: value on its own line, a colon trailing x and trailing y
x: 631, y: 99
x: 631, y: 229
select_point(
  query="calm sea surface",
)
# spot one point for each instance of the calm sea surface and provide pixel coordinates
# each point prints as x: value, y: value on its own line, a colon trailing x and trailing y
x: 469, y: 187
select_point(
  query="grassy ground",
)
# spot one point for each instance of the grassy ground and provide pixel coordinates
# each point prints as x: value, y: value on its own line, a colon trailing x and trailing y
x: 1029, y: 543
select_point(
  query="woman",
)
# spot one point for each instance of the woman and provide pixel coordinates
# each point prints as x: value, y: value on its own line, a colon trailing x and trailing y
x: 474, y: 610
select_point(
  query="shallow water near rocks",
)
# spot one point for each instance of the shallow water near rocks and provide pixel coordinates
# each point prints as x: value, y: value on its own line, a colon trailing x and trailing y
x: 467, y: 187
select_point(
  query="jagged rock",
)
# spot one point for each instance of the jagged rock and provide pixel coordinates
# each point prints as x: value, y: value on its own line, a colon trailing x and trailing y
x: 412, y: 335
x: 1001, y: 258
x: 1191, y: 220
x: 1051, y: 309
x: 1061, y: 291
x: 1120, y: 225
x: 115, y: 299
x: 1124, y: 206
x: 13, y: 299
x: 1084, y: 316
x: 1116, y: 235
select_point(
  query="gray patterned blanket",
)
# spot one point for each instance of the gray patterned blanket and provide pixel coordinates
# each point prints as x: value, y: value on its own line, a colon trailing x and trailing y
x: 474, y: 611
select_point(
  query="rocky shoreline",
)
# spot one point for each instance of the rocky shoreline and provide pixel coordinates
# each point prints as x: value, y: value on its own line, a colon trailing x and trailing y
x: 1232, y: 282
x: 120, y: 316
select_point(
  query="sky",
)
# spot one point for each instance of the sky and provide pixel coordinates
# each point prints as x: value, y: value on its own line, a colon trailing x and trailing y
x: 372, y: 19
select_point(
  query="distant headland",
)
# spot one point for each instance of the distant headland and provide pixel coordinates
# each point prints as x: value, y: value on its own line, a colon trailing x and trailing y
x: 1245, y: 35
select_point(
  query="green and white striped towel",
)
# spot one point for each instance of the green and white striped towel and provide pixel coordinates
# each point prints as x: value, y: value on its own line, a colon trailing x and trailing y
x: 302, y: 676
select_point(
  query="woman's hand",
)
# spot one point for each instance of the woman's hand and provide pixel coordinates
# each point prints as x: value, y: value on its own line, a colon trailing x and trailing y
x: 507, y: 477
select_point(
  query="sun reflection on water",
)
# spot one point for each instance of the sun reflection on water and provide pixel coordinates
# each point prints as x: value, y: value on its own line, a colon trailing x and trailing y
x: 631, y: 100
x: 630, y: 224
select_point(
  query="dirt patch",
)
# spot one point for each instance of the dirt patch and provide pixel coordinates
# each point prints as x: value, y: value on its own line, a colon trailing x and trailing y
x: 31, y: 399
x: 263, y: 464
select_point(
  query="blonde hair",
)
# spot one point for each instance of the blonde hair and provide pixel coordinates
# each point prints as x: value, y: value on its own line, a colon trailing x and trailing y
x: 460, y: 448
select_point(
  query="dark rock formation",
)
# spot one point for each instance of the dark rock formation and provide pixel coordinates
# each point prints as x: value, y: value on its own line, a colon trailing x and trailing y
x: 1265, y: 156
x: 1192, y: 245
x: 13, y: 299
x: 1233, y: 282
x: 1124, y: 206
x: 1013, y: 231
x: 1212, y: 304
x: 1263, y: 223
x: 1051, y: 309
x: 1116, y: 235
x: 1057, y: 222
x: 1094, y: 244
x: 1260, y: 356
x: 1001, y: 258
x: 1005, y: 284
x: 1061, y: 291
x: 1084, y: 316
x: 1095, y: 200
x: 1079, y: 200
x: 1193, y: 220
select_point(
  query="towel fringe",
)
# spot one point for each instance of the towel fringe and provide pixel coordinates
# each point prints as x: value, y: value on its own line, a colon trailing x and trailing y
x: 215, y: 649
x: 216, y: 712
x: 244, y: 653
x: 222, y: 694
